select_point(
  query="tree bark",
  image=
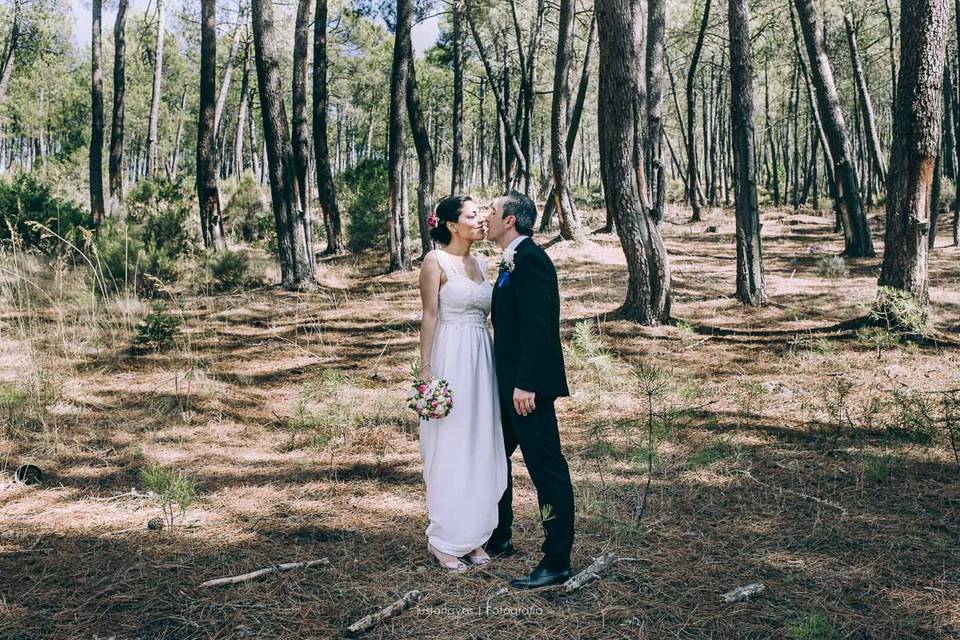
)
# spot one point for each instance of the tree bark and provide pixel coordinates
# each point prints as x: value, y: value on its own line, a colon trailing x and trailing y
x: 96, y: 116
x: 13, y: 45
x: 115, y: 171
x: 570, y: 228
x: 891, y: 47
x: 866, y: 106
x: 456, y: 169
x: 751, y: 287
x: 400, y: 257
x: 295, y: 265
x: 242, y: 114
x: 856, y: 231
x: 301, y: 122
x: 421, y: 140
x: 207, y: 191
x: 692, y: 173
x: 648, y: 284
x: 153, y: 137
x: 326, y: 188
x: 916, y: 143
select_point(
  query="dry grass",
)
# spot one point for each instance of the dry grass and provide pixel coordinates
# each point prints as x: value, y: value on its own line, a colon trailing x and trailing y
x: 776, y: 458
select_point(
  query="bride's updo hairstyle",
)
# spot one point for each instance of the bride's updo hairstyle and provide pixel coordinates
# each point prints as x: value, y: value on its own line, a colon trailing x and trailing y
x: 448, y: 210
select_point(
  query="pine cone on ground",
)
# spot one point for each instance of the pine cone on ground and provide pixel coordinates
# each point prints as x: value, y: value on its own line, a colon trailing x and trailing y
x: 155, y: 524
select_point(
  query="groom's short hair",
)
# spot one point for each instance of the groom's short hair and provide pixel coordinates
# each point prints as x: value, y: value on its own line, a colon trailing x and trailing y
x: 522, y: 208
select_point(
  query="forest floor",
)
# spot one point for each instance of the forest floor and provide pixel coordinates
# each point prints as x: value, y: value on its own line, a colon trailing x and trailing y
x: 786, y: 449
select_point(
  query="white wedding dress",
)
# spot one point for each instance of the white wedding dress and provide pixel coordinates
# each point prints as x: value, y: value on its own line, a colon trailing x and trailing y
x: 464, y: 464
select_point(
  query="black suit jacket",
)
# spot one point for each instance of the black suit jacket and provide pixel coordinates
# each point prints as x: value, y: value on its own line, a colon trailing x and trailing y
x: 526, y: 323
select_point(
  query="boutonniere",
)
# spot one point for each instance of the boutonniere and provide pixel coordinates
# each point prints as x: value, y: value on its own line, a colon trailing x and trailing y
x: 506, y: 261
x: 506, y: 268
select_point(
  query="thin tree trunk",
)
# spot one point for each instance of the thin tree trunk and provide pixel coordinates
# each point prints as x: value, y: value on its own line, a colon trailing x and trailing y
x: 153, y: 136
x: 916, y: 142
x: 569, y: 221
x: 400, y: 258
x: 692, y: 173
x: 174, y: 167
x: 115, y: 179
x: 300, y: 132
x: 96, y: 117
x: 856, y: 230
x: 421, y: 140
x: 224, y: 90
x: 751, y: 288
x: 242, y: 113
x: 295, y: 264
x: 207, y: 191
x: 456, y: 169
x: 888, y: 14
x: 648, y: 266
x: 13, y: 45
x: 866, y: 106
x: 326, y: 188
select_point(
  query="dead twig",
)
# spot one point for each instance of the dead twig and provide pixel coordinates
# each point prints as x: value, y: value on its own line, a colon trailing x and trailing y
x: 743, y: 593
x: 406, y: 601
x: 592, y: 572
x: 827, y: 503
x: 262, y: 572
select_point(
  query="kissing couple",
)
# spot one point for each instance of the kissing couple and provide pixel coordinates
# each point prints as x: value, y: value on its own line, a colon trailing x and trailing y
x: 503, y: 389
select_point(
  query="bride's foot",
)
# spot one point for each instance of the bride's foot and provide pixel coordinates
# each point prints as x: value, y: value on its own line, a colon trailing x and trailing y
x: 447, y: 561
x: 478, y: 557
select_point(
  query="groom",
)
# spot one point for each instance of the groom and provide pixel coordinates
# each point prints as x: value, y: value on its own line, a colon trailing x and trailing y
x: 530, y: 376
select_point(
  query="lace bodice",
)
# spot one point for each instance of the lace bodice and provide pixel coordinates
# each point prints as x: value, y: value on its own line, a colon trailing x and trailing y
x: 463, y: 301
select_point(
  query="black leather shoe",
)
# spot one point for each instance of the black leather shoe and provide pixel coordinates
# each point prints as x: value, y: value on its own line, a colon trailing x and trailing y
x: 541, y: 577
x: 500, y: 549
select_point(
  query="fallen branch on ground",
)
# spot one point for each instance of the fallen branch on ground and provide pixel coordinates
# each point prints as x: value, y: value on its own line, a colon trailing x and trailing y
x: 592, y: 572
x: 406, y: 601
x: 262, y: 572
x: 743, y: 593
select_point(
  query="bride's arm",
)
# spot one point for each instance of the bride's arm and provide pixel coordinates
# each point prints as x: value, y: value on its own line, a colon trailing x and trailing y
x: 430, y: 275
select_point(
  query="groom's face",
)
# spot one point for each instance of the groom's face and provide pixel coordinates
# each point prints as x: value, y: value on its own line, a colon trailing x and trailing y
x: 497, y: 225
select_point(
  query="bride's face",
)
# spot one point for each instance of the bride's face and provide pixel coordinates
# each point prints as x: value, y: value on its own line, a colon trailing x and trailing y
x: 469, y: 225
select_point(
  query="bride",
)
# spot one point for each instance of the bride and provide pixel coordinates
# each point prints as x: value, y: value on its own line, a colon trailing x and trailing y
x: 464, y: 464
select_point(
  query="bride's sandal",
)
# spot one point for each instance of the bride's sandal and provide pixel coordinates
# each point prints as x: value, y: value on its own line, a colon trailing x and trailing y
x: 454, y: 566
x: 478, y: 557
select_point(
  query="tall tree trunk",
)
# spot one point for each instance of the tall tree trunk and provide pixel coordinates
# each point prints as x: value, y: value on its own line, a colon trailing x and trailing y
x: 13, y: 45
x: 648, y: 266
x: 295, y: 265
x: 856, y: 231
x: 242, y: 114
x: 224, y: 90
x: 509, y: 139
x: 115, y: 179
x: 400, y: 258
x: 575, y: 117
x: 891, y: 47
x: 692, y: 174
x: 421, y: 140
x: 456, y: 169
x: 301, y: 122
x: 326, y: 189
x: 207, y: 191
x: 866, y: 106
x: 916, y: 143
x: 96, y: 116
x: 174, y: 166
x: 153, y: 139
x: 570, y: 228
x: 751, y: 288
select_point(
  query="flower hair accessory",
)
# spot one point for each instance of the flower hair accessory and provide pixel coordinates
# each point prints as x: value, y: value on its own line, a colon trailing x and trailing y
x: 433, y: 221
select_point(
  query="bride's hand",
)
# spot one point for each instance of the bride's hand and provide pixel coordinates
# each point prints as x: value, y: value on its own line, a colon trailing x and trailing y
x: 426, y: 373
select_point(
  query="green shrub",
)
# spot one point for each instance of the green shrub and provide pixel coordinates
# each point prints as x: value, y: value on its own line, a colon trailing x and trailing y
x: 899, y: 311
x: 125, y: 263
x: 26, y: 203
x: 248, y: 215
x: 228, y: 270
x: 165, y: 211
x: 174, y: 490
x: 157, y: 331
x: 363, y: 192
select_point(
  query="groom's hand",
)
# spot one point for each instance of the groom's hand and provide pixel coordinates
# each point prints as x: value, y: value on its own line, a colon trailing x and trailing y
x: 524, y: 402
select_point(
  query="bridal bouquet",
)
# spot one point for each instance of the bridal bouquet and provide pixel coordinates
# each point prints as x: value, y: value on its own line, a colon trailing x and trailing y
x: 429, y: 399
